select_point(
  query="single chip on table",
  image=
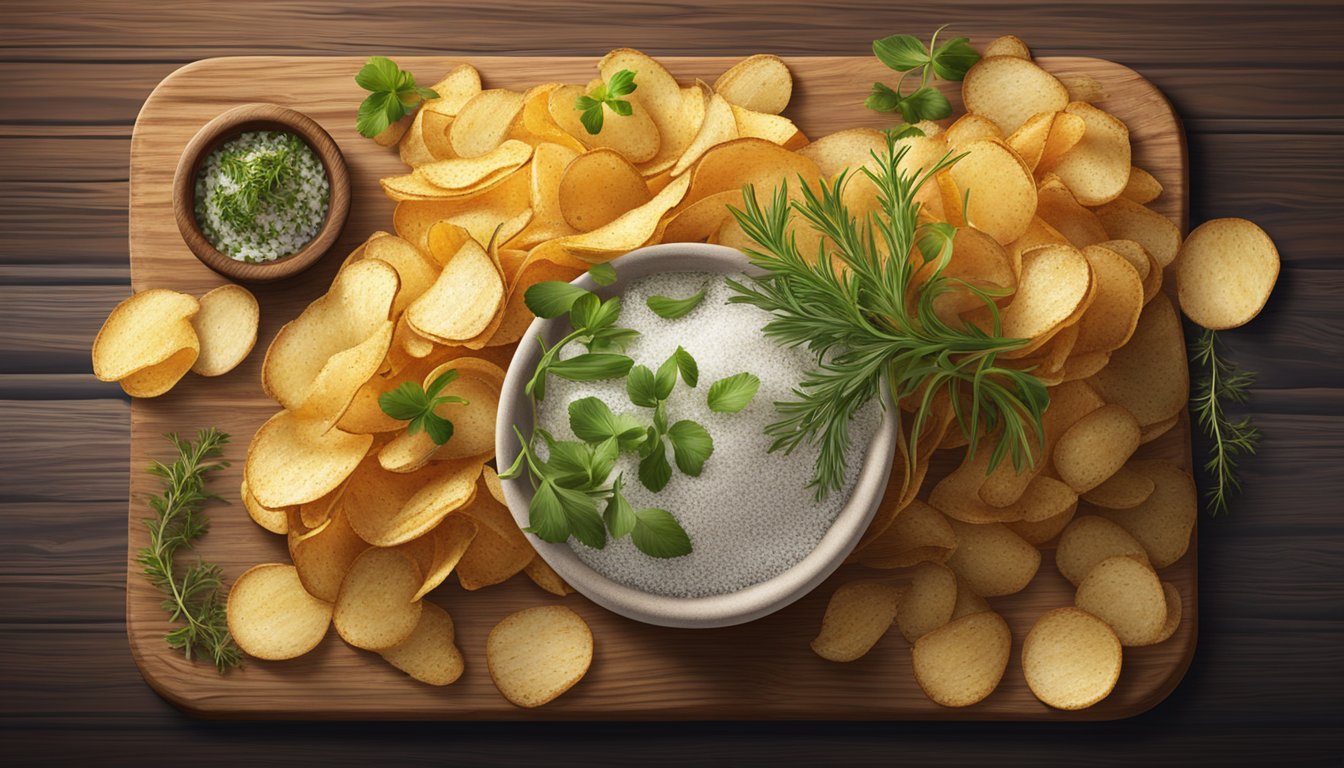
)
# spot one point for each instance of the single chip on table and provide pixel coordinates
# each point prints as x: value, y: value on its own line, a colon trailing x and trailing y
x: 962, y: 662
x: 147, y: 342
x: 1225, y: 272
x: 272, y: 617
x: 930, y: 601
x: 226, y: 326
x: 1071, y: 659
x: 537, y: 654
x: 376, y: 608
x: 857, y: 616
x: 428, y: 653
x: 1125, y: 593
x: 1090, y: 539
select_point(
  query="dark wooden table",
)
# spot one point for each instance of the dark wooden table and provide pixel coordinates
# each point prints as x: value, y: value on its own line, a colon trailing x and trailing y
x: 1257, y: 84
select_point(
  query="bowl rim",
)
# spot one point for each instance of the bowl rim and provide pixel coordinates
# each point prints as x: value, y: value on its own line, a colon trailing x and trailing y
x: 723, y: 610
x: 227, y: 125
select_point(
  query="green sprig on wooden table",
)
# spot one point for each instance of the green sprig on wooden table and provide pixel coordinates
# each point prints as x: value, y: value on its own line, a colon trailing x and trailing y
x: 1221, y: 385
x: 905, y: 54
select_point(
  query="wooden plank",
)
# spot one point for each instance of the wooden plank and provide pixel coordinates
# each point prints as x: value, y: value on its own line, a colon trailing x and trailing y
x: 50, y: 328
x: 36, y: 451
x: 760, y: 670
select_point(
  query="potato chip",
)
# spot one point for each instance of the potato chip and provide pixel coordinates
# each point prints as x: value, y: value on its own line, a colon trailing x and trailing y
x: 719, y: 126
x: 1126, y: 594
x: 850, y: 148
x: 147, y: 342
x: 537, y: 654
x: 957, y: 494
x: 517, y: 317
x: 226, y: 327
x: 270, y: 615
x: 627, y: 232
x: 597, y: 187
x: 1057, y: 207
x: 1045, y: 497
x: 967, y: 601
x: 858, y: 615
x: 676, y: 112
x: 324, y: 555
x: 1142, y: 188
x: 273, y: 520
x: 1002, y: 192
x: 702, y: 218
x: 741, y: 162
x: 412, y: 148
x: 428, y: 654
x: 971, y: 127
x: 321, y: 358
x: 473, y: 172
x: 978, y: 262
x: 390, y: 508
x: 484, y: 121
x: 292, y: 460
x: 992, y: 559
x: 1173, y: 621
x: 478, y: 382
x: 1028, y: 141
x: 1150, y: 272
x: 1114, y: 313
x: 314, y: 513
x: 1071, y: 659
x: 1096, y: 447
x: 963, y: 661
x: 1090, y: 539
x: 376, y: 609
x: 929, y: 602
x: 549, y: 162
x: 503, y: 208
x: 1149, y: 376
x: 634, y: 136
x: 1123, y: 490
x: 761, y: 83
x: 1042, y: 532
x: 544, y: 576
x: 1225, y: 272
x: 499, y: 550
x: 775, y: 129
x: 365, y: 416
x: 1127, y: 220
x: 1150, y: 432
x: 1084, y: 365
x: 1055, y: 282
x: 1096, y: 169
x: 538, y: 127
x: 1164, y: 521
x: 1007, y: 45
x: 454, y: 90
x: 1008, y: 90
x: 918, y: 533
x: 464, y: 301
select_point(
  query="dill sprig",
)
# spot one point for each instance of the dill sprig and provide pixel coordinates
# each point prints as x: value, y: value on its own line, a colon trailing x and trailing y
x: 263, y: 181
x: 195, y: 596
x: 867, y: 326
x: 1222, y: 384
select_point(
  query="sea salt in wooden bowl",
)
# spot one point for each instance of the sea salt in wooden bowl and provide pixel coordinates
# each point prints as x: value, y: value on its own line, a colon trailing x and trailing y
x: 718, y: 610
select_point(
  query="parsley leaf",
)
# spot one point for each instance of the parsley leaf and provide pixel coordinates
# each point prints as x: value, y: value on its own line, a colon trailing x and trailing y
x: 602, y: 274
x: 665, y: 380
x: 901, y: 52
x: 671, y: 309
x: 906, y: 54
x: 592, y: 420
x: 692, y: 446
x: 654, y: 471
x: 733, y: 393
x: 619, y: 515
x: 552, y: 298
x: 607, y: 94
x: 592, y: 366
x: 639, y: 385
x: 418, y: 406
x: 391, y: 91
x: 658, y: 534
x: 690, y: 370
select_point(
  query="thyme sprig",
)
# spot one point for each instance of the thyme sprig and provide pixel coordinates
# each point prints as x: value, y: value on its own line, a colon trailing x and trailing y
x: 1231, y: 439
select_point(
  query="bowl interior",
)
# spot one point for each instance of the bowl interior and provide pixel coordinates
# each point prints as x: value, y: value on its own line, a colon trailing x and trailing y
x: 700, y: 612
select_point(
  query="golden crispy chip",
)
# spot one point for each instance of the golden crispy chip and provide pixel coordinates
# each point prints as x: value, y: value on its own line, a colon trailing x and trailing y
x: 1090, y: 539
x: 1127, y: 220
x: 324, y: 554
x: 484, y: 121
x: 1028, y: 141
x: 1123, y: 490
x: 971, y: 127
x: 273, y: 520
x: 1150, y: 272
x: 376, y: 607
x: 479, y: 382
x: 1149, y: 376
x: 1044, y: 531
x: 1066, y: 130
x: 761, y: 83
x: 929, y: 602
x: 918, y: 533
x: 464, y: 301
x: 963, y: 661
x: 1007, y: 45
x: 428, y: 654
x: 365, y: 416
x: 702, y: 218
x: 776, y: 129
x: 451, y: 539
x: 858, y: 615
x: 1114, y: 313
x: 226, y: 327
x: 1095, y: 169
x: 412, y: 148
x: 1071, y: 659
x: 472, y: 172
x: 978, y: 263
x: 597, y: 187
x: 293, y: 460
x: 545, y: 577
x: 1142, y: 188
x: 1173, y: 621
x: 314, y: 513
x: 1225, y: 272
x: 321, y: 358
x: 454, y: 90
x: 718, y: 127
x: 992, y: 559
x: 1002, y: 192
x: 538, y: 653
x: 391, y: 508
x: 630, y: 230
x: 271, y: 616
x: 967, y: 601
x: 502, y: 208
x: 517, y: 317
x: 1164, y: 521
x: 850, y: 148
x: 548, y: 222
x: 957, y: 494
x: 393, y: 133
x: 415, y: 272
x: 499, y: 550
x: 538, y: 127
x: 1008, y: 90
x: 1084, y: 366
x: 1056, y: 280
x: 147, y: 343
x: 1045, y: 497
x: 1057, y: 207
x: 634, y: 136
x: 1126, y: 594
x: 676, y: 112
x: 1096, y: 447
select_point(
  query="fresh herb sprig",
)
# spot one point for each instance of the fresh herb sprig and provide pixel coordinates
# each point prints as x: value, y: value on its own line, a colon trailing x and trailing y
x: 691, y: 442
x: 594, y: 325
x: 606, y: 94
x: 669, y: 308
x: 418, y: 406
x: 1232, y: 439
x: 260, y: 181
x: 904, y: 54
x: 869, y: 324
x: 193, y: 596
x: 391, y: 93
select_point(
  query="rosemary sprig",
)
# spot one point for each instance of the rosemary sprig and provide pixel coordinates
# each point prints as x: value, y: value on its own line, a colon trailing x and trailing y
x: 866, y: 326
x: 1222, y: 384
x: 195, y: 596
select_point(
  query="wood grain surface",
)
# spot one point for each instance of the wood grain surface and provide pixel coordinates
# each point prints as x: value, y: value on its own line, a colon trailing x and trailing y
x: 762, y: 670
x: 1257, y: 88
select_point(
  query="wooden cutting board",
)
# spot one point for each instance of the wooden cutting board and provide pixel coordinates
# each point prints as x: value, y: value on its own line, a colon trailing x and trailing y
x: 762, y: 670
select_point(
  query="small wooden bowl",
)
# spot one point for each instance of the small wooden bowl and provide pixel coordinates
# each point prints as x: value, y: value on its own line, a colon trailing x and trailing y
x: 228, y: 125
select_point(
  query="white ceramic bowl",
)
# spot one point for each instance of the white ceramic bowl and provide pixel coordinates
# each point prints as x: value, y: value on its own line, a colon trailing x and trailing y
x: 700, y: 612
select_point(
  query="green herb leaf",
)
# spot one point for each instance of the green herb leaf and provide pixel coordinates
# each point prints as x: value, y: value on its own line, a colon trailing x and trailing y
x: 593, y: 421
x: 660, y: 417
x: 935, y: 242
x: 927, y: 103
x: 619, y: 515
x: 690, y: 371
x: 605, y: 315
x: 571, y: 464
x: 408, y: 401
x: 391, y: 92
x: 612, y: 339
x: 592, y: 119
x: 641, y: 388
x: 902, y: 131
x: 953, y: 59
x: 546, y: 515
x: 621, y: 107
x: 654, y: 471
x: 692, y: 446
x: 583, y: 311
x: 621, y: 84
x: 904, y: 53
x: 552, y: 298
x: 883, y: 99
x: 666, y: 379
x: 379, y: 73
x: 442, y: 380
x: 584, y: 521
x: 658, y: 534
x: 673, y: 309
x: 602, y: 274
x: 416, y: 406
x: 731, y: 394
x: 901, y: 52
x: 440, y: 430
x: 592, y: 366
x: 606, y: 94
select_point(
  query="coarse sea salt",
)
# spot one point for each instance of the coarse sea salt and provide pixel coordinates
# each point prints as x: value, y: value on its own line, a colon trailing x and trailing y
x: 750, y: 515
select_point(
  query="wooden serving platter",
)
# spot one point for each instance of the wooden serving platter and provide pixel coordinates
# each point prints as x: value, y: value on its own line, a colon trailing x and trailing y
x: 762, y: 670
